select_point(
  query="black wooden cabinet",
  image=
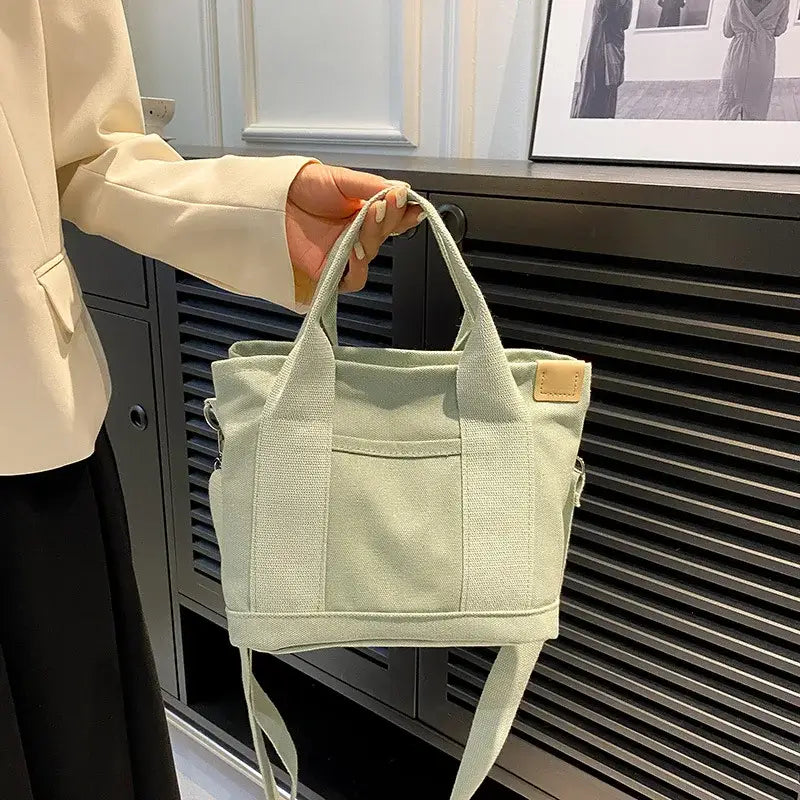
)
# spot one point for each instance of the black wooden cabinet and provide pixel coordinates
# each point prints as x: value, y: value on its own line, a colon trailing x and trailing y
x: 677, y: 672
x: 117, y: 285
x: 132, y: 424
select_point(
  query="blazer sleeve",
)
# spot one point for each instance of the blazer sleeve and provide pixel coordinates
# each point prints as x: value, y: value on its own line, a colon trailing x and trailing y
x: 222, y: 220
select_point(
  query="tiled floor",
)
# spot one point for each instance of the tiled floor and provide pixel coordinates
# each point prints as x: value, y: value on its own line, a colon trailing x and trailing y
x: 696, y: 100
x: 203, y: 774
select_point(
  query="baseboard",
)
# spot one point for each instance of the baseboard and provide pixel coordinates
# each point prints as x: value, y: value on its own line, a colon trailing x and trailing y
x: 215, y: 749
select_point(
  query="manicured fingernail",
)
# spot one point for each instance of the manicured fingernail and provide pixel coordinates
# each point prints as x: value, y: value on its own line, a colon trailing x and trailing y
x: 358, y: 249
x: 421, y: 217
x: 380, y: 211
x: 402, y: 197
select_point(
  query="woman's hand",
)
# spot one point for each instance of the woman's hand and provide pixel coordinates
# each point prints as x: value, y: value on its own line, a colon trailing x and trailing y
x: 322, y: 202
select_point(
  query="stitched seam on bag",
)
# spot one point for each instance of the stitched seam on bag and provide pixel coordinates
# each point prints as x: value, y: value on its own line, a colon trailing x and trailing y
x: 576, y: 476
x: 558, y: 394
x: 392, y: 454
x: 354, y: 446
x: 254, y: 511
x: 465, y: 539
x: 323, y: 567
x: 532, y: 540
x: 518, y: 358
x: 405, y: 616
x: 415, y: 642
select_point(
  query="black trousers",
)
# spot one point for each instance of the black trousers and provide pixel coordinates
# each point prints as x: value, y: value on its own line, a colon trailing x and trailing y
x: 80, y: 708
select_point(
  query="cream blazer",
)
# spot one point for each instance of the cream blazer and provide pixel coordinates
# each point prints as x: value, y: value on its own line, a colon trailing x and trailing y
x: 72, y: 145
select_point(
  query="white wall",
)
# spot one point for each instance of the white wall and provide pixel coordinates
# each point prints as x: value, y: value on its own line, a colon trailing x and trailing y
x: 508, y: 53
x: 415, y: 77
x: 698, y: 53
x: 408, y: 77
x: 694, y: 53
x: 169, y: 40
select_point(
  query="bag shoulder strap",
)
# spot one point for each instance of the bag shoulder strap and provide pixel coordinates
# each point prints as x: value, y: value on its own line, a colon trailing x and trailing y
x: 497, y: 707
x: 499, y: 701
x: 266, y: 719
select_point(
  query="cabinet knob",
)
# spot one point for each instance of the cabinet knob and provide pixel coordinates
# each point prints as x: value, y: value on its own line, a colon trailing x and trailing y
x: 455, y: 220
x: 411, y: 232
x: 138, y: 417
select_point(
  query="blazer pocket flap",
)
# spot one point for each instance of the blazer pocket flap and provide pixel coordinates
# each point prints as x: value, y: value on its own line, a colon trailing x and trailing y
x: 58, y: 280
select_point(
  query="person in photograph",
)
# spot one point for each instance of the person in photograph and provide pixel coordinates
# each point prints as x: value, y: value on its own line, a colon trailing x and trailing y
x: 745, y: 89
x: 670, y: 13
x: 603, y: 65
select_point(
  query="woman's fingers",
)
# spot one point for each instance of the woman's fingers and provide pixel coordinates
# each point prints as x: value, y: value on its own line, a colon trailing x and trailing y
x: 389, y: 216
x: 358, y: 185
x: 355, y: 277
x: 413, y: 216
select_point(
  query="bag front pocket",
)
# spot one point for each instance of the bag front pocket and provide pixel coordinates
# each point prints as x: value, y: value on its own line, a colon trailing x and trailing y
x: 394, y: 538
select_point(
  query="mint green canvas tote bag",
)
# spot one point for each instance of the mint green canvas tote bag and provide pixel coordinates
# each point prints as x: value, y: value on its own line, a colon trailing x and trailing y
x: 384, y: 497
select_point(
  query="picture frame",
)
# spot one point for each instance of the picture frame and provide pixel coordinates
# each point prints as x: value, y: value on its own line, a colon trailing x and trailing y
x: 679, y: 99
x: 649, y: 16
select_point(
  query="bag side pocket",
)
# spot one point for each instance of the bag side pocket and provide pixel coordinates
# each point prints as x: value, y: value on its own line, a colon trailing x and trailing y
x: 573, y: 502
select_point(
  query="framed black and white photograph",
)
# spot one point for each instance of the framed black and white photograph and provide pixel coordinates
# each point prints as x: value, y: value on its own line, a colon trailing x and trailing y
x: 706, y: 82
x: 672, y: 14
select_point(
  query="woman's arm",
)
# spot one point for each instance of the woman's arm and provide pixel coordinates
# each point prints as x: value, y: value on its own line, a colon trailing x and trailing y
x: 626, y: 11
x: 727, y: 27
x: 220, y: 219
x: 783, y: 20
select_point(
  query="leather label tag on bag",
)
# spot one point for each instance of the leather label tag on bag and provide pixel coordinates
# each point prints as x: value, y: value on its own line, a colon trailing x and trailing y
x: 559, y: 381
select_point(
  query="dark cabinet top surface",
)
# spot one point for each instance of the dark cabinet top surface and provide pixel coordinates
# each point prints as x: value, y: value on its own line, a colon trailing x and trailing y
x: 752, y: 193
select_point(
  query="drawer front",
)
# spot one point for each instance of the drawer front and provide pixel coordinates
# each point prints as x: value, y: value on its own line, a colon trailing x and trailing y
x: 105, y: 269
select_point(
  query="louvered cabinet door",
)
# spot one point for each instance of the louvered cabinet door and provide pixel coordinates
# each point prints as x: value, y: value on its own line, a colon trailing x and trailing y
x: 205, y: 322
x: 677, y: 672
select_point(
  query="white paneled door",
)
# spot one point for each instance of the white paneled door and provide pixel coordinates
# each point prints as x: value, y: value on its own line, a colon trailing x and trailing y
x: 344, y: 72
x: 403, y: 77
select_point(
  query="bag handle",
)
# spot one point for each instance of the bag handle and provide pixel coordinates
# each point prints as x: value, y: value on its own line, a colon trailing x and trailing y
x: 486, y: 388
x: 323, y: 307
